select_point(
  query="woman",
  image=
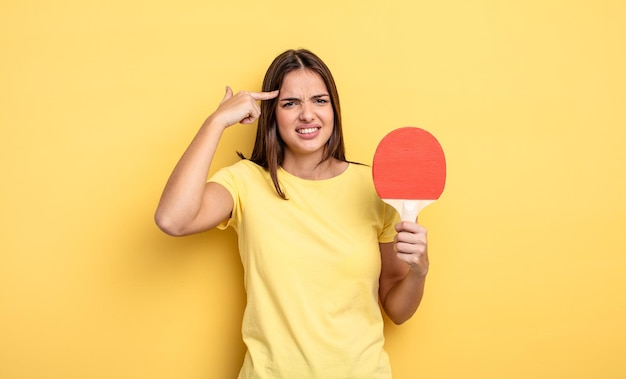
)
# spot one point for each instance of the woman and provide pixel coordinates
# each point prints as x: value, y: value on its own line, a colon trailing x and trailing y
x: 320, y: 250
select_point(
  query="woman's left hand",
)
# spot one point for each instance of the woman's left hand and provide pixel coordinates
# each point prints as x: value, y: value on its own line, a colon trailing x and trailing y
x: 411, y: 245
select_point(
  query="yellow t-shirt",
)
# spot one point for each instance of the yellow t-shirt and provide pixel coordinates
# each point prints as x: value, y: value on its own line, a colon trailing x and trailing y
x: 311, y: 268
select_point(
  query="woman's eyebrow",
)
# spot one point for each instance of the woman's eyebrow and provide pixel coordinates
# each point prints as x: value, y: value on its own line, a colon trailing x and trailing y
x: 289, y: 99
x: 298, y: 99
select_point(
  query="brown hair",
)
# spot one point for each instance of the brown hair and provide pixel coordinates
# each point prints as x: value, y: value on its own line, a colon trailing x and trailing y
x: 269, y: 148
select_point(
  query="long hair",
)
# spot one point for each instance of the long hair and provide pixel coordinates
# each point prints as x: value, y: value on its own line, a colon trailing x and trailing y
x: 269, y: 148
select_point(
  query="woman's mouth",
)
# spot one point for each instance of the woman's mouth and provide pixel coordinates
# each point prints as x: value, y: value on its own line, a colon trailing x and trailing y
x: 308, y: 130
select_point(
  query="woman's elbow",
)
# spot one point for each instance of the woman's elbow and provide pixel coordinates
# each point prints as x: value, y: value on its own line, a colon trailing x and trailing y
x: 168, y: 225
x: 399, y: 313
x: 398, y: 318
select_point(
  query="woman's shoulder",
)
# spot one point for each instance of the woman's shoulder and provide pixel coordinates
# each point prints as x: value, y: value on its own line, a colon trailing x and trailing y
x: 241, y: 171
x: 244, y: 166
x: 359, y: 169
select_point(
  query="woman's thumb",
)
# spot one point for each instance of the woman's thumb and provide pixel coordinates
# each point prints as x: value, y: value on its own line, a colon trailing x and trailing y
x: 227, y: 95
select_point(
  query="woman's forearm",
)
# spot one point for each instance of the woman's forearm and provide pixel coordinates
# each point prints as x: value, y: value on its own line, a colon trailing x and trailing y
x: 183, y: 194
x: 404, y: 297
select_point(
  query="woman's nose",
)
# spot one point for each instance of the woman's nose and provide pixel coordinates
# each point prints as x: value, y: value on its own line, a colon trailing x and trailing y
x: 306, y: 112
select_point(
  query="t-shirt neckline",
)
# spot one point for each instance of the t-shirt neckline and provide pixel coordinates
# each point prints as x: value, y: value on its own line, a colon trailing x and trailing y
x: 287, y: 174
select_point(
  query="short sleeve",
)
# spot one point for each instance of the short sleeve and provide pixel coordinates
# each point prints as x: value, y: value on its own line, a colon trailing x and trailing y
x: 390, y: 219
x: 227, y: 178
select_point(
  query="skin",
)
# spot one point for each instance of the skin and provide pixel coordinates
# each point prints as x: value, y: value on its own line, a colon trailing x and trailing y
x: 303, y: 105
x: 189, y: 205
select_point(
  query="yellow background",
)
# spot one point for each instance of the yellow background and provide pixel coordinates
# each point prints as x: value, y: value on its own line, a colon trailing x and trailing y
x: 528, y: 242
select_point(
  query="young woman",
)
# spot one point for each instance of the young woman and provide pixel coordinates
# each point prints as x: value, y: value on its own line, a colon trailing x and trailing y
x: 320, y: 250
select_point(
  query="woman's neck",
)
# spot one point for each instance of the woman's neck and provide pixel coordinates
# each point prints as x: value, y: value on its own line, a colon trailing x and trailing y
x: 312, y: 169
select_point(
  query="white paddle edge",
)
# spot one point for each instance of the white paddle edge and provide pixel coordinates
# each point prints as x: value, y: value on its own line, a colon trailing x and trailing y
x: 408, y: 209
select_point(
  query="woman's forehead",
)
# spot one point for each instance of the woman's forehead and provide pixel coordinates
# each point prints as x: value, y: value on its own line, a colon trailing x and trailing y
x: 303, y: 81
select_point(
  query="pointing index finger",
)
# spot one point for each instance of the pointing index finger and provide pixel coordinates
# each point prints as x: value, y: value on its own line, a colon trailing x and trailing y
x: 264, y: 95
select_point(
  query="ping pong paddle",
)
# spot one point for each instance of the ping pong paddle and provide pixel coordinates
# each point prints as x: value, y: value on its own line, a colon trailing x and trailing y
x: 409, y: 170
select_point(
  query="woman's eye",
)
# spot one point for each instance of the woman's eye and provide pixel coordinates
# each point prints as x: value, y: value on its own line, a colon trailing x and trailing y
x: 288, y: 104
x: 322, y: 99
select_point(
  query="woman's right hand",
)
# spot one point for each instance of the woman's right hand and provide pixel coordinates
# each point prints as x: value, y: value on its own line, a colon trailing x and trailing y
x: 241, y: 108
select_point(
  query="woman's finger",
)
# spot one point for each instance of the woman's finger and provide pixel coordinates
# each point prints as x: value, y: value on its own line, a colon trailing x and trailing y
x: 264, y: 95
x: 227, y: 95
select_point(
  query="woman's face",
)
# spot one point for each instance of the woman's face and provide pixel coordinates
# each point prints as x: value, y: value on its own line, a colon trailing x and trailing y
x: 304, y: 113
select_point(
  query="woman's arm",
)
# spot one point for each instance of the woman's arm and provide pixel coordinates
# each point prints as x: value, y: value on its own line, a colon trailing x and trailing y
x: 404, y: 269
x: 188, y: 204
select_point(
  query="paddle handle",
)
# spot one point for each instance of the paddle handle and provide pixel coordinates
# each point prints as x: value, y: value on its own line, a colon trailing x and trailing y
x: 408, y: 209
